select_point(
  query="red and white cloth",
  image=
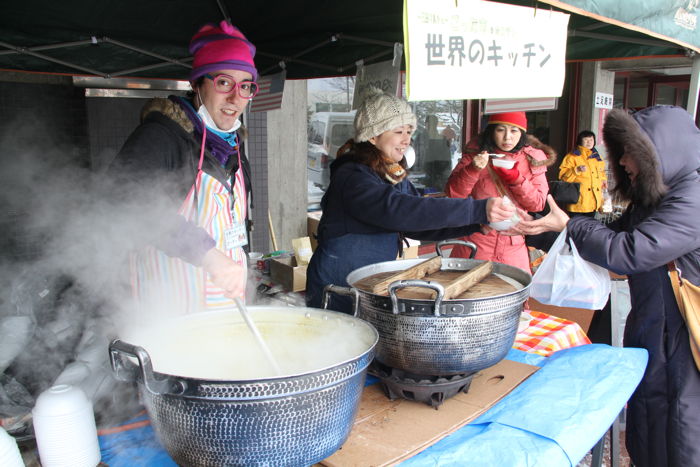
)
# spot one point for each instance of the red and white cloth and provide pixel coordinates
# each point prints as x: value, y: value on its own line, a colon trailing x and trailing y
x: 547, y: 334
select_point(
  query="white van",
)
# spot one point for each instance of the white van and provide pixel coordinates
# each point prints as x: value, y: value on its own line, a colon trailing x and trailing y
x: 327, y: 132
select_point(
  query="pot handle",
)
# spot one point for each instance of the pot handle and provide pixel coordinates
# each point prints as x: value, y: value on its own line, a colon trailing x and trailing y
x: 440, y: 244
x: 126, y: 370
x: 436, y: 286
x: 346, y: 291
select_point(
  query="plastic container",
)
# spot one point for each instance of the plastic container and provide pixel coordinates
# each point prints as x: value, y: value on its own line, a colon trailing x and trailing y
x: 9, y: 452
x: 508, y: 223
x: 64, y: 425
x: 503, y: 163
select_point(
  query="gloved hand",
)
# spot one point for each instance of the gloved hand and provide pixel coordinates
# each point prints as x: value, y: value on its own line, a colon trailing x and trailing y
x: 508, y: 175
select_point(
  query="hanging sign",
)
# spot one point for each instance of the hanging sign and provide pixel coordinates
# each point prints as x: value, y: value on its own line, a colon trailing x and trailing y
x: 603, y: 100
x: 475, y: 49
x: 526, y: 104
x: 383, y: 75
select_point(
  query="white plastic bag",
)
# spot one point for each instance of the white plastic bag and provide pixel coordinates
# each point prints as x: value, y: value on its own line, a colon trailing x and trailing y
x: 566, y: 279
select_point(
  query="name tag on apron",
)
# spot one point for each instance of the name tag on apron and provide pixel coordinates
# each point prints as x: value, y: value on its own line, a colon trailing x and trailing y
x: 236, y: 236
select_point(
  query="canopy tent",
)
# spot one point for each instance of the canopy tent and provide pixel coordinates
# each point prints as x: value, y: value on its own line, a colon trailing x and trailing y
x: 314, y: 38
x: 669, y: 20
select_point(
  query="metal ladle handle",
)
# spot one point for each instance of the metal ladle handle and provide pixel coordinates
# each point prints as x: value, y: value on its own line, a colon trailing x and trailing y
x: 436, y: 286
x: 442, y: 243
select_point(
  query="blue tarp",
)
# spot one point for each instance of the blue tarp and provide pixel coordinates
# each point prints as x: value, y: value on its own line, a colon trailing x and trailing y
x: 553, y: 418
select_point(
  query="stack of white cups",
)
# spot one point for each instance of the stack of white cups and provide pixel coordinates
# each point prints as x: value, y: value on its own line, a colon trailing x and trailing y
x: 64, y: 425
x: 9, y: 452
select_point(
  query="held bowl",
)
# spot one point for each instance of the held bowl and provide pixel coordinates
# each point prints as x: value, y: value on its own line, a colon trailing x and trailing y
x: 503, y: 163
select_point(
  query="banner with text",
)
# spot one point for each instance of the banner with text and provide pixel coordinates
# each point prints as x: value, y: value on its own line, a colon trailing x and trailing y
x: 475, y: 49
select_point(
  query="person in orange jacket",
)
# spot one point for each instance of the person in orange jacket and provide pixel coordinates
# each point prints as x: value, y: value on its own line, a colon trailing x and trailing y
x: 585, y: 166
x: 525, y: 184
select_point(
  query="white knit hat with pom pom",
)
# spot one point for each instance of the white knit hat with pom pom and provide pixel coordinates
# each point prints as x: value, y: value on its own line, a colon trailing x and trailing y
x: 380, y: 112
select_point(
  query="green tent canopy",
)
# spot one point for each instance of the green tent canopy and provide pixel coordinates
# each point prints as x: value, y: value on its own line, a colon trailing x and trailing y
x: 669, y: 20
x: 311, y: 38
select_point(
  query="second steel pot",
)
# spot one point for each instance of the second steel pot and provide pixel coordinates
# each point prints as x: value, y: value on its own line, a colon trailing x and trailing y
x: 440, y: 337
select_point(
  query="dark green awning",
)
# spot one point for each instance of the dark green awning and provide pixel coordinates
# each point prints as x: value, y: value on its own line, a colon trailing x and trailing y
x: 674, y: 21
x: 314, y: 38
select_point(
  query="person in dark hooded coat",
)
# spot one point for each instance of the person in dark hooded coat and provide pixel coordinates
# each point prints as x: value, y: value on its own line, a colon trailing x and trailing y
x: 655, y: 156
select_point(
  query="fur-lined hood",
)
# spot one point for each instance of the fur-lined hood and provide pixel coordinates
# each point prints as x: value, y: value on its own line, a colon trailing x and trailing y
x: 533, y: 142
x: 170, y: 109
x: 174, y: 112
x: 665, y: 144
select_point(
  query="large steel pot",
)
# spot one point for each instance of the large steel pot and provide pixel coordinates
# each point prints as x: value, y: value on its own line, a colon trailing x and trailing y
x: 439, y: 337
x: 296, y: 419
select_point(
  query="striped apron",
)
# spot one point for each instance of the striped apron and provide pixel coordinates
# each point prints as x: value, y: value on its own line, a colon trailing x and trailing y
x: 172, y: 286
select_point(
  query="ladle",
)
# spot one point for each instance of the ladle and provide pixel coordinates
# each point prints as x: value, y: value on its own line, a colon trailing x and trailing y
x: 258, y: 337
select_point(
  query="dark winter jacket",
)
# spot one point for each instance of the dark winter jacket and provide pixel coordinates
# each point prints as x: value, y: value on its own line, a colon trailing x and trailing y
x: 157, y: 166
x: 363, y: 215
x: 661, y: 224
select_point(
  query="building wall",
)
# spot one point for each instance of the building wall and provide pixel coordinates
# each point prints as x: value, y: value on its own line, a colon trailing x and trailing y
x: 111, y: 120
x: 43, y: 138
x: 594, y: 79
x: 257, y: 155
x: 286, y: 165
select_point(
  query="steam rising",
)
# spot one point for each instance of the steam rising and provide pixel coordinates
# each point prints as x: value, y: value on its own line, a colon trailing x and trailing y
x: 64, y: 267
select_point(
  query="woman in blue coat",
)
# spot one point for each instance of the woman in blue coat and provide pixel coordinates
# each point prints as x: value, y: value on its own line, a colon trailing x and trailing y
x: 370, y: 203
x: 655, y: 156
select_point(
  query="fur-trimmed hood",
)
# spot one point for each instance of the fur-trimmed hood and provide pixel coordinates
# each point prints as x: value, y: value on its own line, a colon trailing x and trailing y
x: 168, y: 108
x: 533, y: 142
x: 664, y: 142
x: 174, y: 112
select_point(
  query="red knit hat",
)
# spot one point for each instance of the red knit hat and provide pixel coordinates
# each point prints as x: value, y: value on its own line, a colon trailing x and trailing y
x: 221, y: 47
x: 510, y: 118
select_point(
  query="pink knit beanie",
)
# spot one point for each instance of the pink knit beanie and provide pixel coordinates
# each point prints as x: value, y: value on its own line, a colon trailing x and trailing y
x: 221, y: 47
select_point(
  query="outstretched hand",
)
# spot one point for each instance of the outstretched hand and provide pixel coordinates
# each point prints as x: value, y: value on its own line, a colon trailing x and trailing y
x: 555, y: 221
x: 497, y: 210
x: 513, y: 231
x: 225, y: 273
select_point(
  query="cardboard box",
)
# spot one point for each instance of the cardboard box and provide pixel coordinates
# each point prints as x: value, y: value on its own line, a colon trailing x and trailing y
x: 284, y: 271
x: 386, y: 432
x: 410, y: 251
x: 312, y: 220
x: 578, y: 315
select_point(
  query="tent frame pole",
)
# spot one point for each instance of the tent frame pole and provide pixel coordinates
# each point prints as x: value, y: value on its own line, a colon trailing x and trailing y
x: 694, y: 87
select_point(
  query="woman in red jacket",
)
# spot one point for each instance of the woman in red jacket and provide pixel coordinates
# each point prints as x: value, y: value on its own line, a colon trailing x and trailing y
x: 525, y: 184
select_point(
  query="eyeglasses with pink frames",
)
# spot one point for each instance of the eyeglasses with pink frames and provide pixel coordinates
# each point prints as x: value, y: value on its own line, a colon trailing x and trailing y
x: 225, y: 84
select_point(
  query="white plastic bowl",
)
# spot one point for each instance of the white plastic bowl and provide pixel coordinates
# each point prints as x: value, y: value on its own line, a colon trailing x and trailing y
x: 60, y: 400
x: 9, y: 452
x: 64, y: 425
x: 504, y: 163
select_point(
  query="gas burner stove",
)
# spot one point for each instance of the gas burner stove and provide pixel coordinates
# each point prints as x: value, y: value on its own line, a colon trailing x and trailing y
x: 429, y: 389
